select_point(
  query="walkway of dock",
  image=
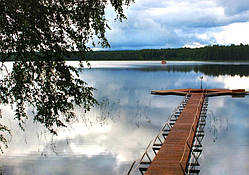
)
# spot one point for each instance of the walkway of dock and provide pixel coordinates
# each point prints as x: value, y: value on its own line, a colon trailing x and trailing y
x: 173, y: 156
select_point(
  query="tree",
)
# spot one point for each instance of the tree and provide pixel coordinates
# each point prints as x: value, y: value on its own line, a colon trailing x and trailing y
x: 38, y: 36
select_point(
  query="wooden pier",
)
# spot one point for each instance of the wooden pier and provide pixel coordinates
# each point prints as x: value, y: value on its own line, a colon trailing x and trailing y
x: 173, y: 156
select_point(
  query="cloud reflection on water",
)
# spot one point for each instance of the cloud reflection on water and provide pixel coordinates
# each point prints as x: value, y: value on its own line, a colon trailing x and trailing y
x: 107, y: 139
x: 229, y: 153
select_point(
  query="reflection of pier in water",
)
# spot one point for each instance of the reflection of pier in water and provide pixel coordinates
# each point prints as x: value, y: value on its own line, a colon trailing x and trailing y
x: 177, y: 147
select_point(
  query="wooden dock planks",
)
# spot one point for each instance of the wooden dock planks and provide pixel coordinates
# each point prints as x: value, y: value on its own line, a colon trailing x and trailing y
x: 173, y: 156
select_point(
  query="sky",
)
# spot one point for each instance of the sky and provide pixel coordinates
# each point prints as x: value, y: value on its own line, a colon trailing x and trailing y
x: 179, y: 23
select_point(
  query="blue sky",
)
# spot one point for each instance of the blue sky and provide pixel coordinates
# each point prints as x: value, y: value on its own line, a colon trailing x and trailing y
x: 180, y: 23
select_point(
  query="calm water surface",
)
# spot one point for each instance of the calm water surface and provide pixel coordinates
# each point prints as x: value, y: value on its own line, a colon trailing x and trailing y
x: 112, y: 135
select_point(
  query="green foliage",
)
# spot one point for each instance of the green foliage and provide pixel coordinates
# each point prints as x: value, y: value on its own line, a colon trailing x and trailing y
x: 38, y: 35
x: 54, y: 25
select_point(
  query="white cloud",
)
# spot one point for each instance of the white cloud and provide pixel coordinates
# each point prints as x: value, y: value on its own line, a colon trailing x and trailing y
x: 194, y: 45
x: 176, y: 23
x: 233, y: 34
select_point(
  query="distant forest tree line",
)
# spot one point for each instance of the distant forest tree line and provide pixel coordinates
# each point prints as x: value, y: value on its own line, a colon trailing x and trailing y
x: 207, y: 53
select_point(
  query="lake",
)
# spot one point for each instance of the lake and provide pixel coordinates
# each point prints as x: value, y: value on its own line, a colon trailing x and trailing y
x: 111, y: 136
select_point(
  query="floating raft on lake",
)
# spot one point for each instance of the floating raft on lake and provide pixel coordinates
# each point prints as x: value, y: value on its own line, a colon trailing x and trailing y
x: 177, y: 154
